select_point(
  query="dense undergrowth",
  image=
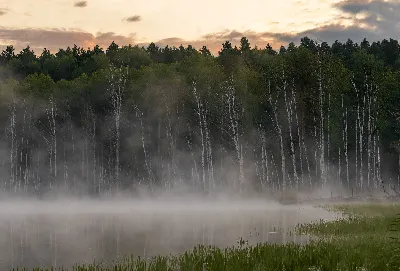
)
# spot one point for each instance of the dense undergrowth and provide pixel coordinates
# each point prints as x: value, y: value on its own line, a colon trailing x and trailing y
x: 366, y: 238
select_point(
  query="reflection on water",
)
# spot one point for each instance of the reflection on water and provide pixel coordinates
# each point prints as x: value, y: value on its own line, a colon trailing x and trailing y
x: 65, y: 233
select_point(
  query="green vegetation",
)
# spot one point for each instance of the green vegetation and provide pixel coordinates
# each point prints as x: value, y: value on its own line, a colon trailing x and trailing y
x: 361, y: 241
x: 299, y: 109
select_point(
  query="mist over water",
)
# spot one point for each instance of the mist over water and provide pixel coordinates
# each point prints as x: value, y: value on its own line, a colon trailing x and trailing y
x: 66, y: 232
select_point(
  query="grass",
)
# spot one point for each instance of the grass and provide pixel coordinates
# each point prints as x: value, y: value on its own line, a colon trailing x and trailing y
x: 365, y: 239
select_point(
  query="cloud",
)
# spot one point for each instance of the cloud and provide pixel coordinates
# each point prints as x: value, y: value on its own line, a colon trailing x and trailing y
x: 81, y: 4
x: 53, y: 39
x: 352, y: 6
x: 374, y: 20
x: 135, y: 18
x: 214, y: 41
x: 3, y: 11
x: 380, y: 10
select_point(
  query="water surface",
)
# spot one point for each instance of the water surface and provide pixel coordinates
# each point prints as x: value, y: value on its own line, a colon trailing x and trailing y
x: 63, y: 233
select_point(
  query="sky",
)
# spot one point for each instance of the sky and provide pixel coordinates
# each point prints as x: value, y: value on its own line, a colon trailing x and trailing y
x: 57, y: 24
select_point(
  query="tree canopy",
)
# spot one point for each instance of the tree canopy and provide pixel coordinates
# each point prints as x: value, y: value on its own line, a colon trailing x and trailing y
x: 166, y: 115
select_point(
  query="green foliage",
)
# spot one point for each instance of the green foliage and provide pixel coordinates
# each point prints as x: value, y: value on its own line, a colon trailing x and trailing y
x: 162, y: 79
x: 38, y: 85
x: 131, y: 56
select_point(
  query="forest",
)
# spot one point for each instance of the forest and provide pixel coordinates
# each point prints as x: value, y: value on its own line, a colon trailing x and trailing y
x: 306, y: 116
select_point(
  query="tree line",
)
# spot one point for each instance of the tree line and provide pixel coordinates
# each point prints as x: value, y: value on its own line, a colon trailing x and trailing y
x: 301, y: 117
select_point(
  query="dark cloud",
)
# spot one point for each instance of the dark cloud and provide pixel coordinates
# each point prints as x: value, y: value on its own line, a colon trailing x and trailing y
x: 135, y: 18
x: 81, y: 4
x: 352, y: 6
x: 376, y: 20
x: 328, y: 33
x: 386, y: 10
x: 3, y: 11
x: 53, y: 39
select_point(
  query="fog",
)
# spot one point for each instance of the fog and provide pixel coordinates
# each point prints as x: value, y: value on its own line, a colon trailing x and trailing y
x: 65, y: 232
